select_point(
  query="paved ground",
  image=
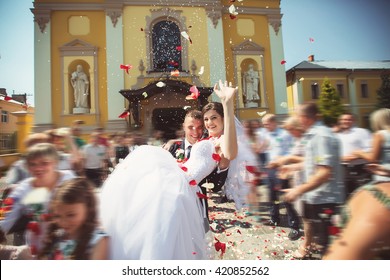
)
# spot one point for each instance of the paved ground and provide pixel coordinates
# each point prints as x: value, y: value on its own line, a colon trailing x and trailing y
x: 245, y: 236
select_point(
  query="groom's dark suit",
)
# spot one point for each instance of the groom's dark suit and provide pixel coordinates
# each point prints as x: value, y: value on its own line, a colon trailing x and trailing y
x: 215, y: 177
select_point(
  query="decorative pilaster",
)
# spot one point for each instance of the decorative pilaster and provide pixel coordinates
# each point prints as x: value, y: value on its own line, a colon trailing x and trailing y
x: 42, y: 69
x: 114, y: 50
x: 215, y: 42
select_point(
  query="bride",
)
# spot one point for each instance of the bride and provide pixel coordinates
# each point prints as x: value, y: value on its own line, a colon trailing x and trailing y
x: 149, y: 204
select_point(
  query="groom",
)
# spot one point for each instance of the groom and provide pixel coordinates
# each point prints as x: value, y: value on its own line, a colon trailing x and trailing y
x: 193, y: 130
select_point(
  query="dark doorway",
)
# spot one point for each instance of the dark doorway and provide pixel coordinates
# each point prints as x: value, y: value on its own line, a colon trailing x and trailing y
x: 168, y: 120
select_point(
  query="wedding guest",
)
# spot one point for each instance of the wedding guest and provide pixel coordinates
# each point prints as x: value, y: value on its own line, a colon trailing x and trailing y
x: 353, y: 139
x: 95, y: 157
x: 280, y: 143
x: 380, y: 153
x: 41, y: 160
x: 323, y: 189
x: 73, y: 231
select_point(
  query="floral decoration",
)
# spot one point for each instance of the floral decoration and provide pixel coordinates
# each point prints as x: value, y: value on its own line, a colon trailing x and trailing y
x: 180, y: 155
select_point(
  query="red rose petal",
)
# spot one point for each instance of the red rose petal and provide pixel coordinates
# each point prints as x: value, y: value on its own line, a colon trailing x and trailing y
x: 201, y: 195
x: 328, y: 211
x: 34, y: 227
x: 216, y: 157
x: 126, y: 67
x: 124, y: 114
x: 8, y: 201
x: 283, y: 62
x: 193, y: 183
x: 251, y: 169
x: 219, y: 246
x: 333, y: 230
x: 33, y: 250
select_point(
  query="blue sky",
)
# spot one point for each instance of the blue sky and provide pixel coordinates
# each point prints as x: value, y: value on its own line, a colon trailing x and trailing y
x: 341, y: 29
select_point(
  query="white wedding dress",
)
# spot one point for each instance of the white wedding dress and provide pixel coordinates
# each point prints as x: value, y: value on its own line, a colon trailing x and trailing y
x: 149, y: 206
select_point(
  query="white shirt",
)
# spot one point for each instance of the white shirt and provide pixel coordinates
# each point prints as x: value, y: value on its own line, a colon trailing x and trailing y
x: 354, y: 139
x: 94, y: 156
x: 280, y: 142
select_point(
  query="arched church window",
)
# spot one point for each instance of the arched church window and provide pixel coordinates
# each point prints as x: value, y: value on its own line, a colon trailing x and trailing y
x: 166, y: 43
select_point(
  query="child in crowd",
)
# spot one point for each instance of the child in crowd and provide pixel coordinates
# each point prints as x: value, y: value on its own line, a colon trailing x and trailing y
x: 73, y: 232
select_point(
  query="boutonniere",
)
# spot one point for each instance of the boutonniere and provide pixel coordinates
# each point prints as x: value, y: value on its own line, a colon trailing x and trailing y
x: 179, y: 154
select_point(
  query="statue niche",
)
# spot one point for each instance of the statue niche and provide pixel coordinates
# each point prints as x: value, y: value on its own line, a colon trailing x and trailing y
x: 80, y: 84
x: 251, y: 86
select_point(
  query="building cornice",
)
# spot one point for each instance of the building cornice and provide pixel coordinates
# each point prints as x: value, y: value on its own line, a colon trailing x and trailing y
x: 214, y: 10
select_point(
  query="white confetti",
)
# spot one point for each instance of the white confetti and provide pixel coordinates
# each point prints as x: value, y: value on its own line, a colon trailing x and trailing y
x: 160, y: 84
x: 232, y: 10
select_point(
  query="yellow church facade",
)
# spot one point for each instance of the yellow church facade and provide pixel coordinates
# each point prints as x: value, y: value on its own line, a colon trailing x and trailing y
x: 144, y: 57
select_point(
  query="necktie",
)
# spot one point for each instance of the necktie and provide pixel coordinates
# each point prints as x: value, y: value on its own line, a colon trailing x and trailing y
x: 189, y: 151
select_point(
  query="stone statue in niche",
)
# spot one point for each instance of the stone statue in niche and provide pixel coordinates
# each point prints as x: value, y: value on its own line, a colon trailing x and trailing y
x: 80, y: 84
x: 251, y: 82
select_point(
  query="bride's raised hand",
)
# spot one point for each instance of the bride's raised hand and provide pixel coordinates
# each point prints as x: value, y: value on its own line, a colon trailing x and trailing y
x: 224, y: 91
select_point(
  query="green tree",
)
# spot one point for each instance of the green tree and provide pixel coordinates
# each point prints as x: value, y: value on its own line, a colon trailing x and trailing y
x: 384, y: 92
x: 329, y: 103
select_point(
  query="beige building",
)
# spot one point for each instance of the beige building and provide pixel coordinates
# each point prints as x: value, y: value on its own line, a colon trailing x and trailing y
x: 15, y: 124
x: 180, y: 43
x: 355, y: 81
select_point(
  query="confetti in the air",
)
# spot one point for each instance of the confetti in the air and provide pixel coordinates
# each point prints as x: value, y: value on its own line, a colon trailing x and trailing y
x: 194, y: 93
x: 126, y: 67
x: 311, y: 40
x: 145, y: 94
x: 208, y: 186
x: 7, y: 98
x: 186, y: 107
x: 232, y: 11
x: 283, y: 62
x: 186, y: 36
x: 201, y: 71
x: 160, y: 84
x: 124, y: 114
x: 175, y: 73
x: 179, y: 48
x: 262, y: 113
x: 283, y: 104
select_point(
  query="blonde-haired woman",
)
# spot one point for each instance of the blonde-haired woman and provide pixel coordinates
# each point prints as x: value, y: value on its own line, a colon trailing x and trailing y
x: 365, y: 220
x: 380, y: 153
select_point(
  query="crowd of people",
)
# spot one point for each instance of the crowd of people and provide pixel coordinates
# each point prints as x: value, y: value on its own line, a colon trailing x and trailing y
x: 129, y: 197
